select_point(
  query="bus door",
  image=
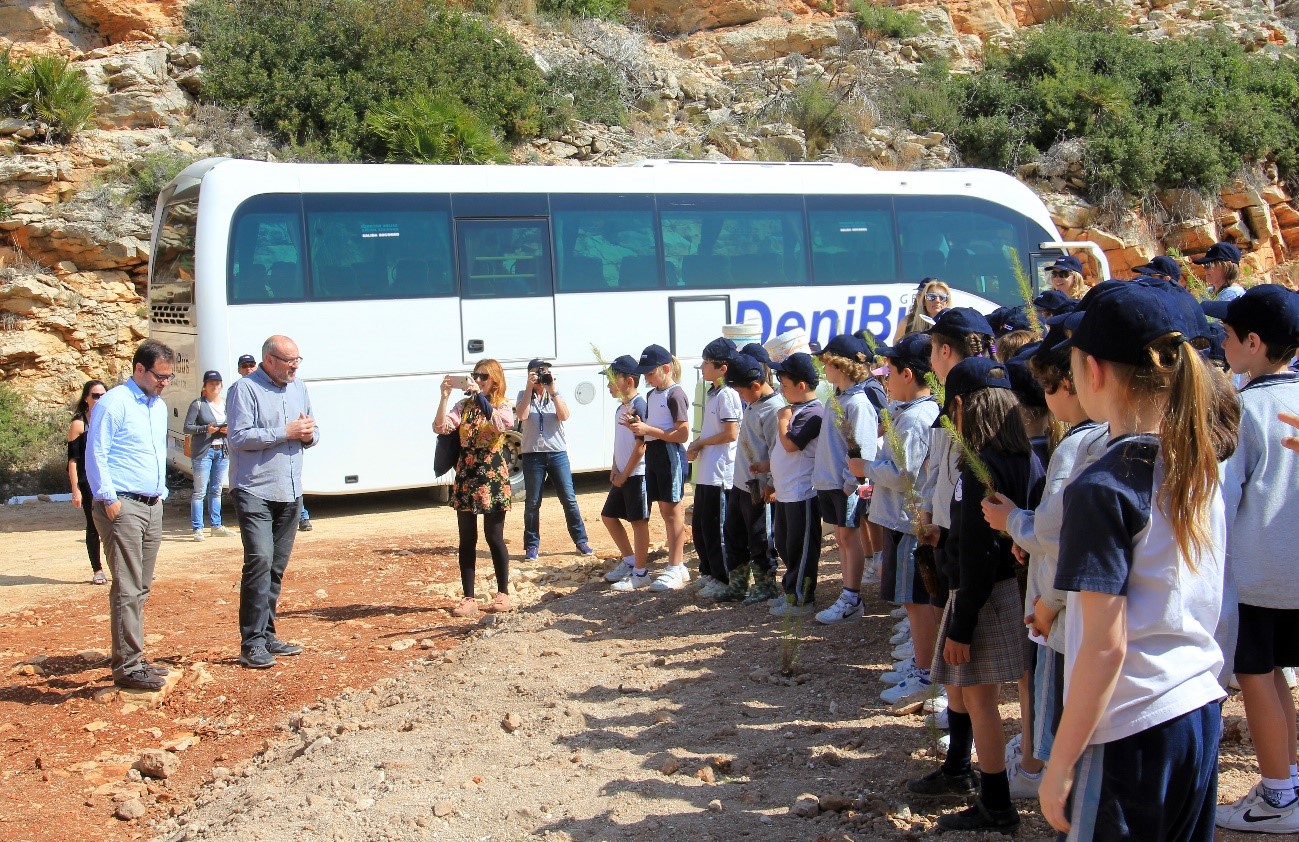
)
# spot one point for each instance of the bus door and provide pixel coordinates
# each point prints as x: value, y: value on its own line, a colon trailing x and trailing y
x: 507, y: 303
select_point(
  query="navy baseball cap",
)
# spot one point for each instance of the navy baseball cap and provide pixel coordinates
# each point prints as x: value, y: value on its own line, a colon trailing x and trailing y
x: 538, y: 363
x: 1053, y: 300
x: 1161, y: 265
x: 799, y: 367
x: 209, y: 376
x: 1057, y: 331
x: 1270, y: 310
x: 651, y: 358
x: 247, y: 359
x: 1068, y: 263
x: 1022, y: 382
x: 759, y: 353
x: 1120, y: 322
x: 847, y: 345
x: 720, y: 349
x: 1192, y: 322
x: 1216, y: 351
x: 1005, y: 319
x: 1219, y: 252
x: 743, y: 370
x: 912, y: 351
x: 626, y: 364
x: 972, y: 374
x: 960, y: 322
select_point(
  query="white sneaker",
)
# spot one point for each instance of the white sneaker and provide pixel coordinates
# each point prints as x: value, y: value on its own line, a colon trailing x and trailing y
x: 1288, y: 672
x: 702, y: 582
x: 620, y: 572
x: 840, y: 611
x: 913, y: 689
x: 1022, y: 785
x: 633, y: 582
x: 713, y: 589
x: 899, y: 613
x: 674, y: 578
x: 1232, y: 683
x: 221, y: 532
x: 904, y: 623
x: 944, y: 743
x: 198, y: 535
x: 908, y: 669
x: 904, y: 650
x: 782, y: 607
x: 937, y: 704
x: 1014, y: 750
x: 1254, y: 814
x: 900, y: 637
x: 938, y: 720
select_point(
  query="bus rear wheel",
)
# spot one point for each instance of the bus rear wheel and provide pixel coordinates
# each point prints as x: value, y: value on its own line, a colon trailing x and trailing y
x: 514, y: 457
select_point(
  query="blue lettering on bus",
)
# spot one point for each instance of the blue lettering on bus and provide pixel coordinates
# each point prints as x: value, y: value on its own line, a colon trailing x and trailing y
x: 872, y: 312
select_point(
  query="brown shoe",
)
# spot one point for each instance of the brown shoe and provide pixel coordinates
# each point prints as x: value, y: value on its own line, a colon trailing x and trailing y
x: 468, y: 607
x: 500, y: 604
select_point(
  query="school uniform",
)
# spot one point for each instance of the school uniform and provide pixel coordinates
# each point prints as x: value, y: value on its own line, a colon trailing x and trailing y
x: 748, y: 526
x: 935, y: 485
x: 1150, y: 768
x: 1037, y: 531
x: 900, y: 579
x: 984, y: 608
x: 714, y: 472
x: 1258, y: 480
x: 797, y: 528
x: 665, y: 462
x: 628, y: 502
x: 835, y: 485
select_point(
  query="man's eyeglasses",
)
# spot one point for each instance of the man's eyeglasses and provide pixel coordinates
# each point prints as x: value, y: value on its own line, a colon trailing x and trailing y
x: 482, y: 377
x: 288, y: 360
x: 161, y: 378
x: 94, y: 396
x: 936, y: 296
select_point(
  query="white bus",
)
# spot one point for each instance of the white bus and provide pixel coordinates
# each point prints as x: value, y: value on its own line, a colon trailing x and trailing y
x: 390, y: 276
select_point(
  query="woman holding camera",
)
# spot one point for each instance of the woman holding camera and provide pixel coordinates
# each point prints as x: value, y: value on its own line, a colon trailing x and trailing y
x: 205, y: 424
x: 542, y: 411
x: 482, y: 484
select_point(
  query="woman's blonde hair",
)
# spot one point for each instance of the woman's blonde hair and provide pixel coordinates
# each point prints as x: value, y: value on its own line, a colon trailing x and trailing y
x: 495, y: 390
x: 912, y: 323
x: 1075, y: 286
x: 1010, y: 343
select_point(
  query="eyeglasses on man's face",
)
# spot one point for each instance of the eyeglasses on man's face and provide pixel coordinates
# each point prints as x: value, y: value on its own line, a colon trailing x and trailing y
x: 161, y: 378
x: 936, y: 296
x: 288, y: 360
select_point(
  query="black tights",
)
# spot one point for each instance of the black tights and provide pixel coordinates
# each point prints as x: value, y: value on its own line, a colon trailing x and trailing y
x: 494, y: 531
x: 92, y: 535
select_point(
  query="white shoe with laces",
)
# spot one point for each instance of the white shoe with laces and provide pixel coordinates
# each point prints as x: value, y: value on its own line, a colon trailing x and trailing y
x: 908, y: 669
x: 841, y: 610
x: 713, y: 589
x: 1252, y: 813
x: 904, y: 623
x: 900, y: 637
x: 938, y: 720
x: 936, y: 704
x: 622, y: 571
x: 674, y: 578
x: 915, y: 688
x: 633, y: 583
x: 899, y: 613
x: 904, y: 650
x: 198, y: 535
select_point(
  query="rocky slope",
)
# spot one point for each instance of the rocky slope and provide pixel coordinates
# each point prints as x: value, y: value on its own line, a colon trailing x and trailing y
x: 708, y: 78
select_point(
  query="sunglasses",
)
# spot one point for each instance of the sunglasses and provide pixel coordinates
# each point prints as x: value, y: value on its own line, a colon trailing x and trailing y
x: 482, y: 377
x: 1060, y: 273
x: 94, y: 396
x: 936, y: 296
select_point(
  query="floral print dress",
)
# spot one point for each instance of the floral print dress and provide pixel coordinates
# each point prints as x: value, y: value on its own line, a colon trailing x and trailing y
x: 482, y: 472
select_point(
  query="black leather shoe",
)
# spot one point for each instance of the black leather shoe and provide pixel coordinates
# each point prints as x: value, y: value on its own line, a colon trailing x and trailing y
x: 256, y: 658
x: 278, y: 647
x: 939, y: 782
x: 140, y: 679
x: 155, y: 669
x: 304, y: 525
x: 979, y: 817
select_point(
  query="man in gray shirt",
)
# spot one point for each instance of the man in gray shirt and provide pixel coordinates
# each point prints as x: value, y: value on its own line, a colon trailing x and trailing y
x: 270, y: 425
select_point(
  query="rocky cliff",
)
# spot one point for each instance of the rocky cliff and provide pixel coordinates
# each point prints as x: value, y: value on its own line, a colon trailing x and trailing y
x: 707, y: 77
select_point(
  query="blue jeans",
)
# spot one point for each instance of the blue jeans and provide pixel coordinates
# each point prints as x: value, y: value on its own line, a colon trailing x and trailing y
x: 209, y: 472
x: 267, y: 528
x: 535, y: 468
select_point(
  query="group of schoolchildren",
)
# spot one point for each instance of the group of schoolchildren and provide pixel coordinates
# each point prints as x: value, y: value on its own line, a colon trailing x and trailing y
x: 1091, y: 510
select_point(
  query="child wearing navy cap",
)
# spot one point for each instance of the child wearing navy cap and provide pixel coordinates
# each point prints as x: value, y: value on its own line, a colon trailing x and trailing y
x: 626, y: 500
x: 1221, y: 270
x: 1262, y: 335
x: 1142, y: 553
x: 797, y: 531
x: 713, y: 453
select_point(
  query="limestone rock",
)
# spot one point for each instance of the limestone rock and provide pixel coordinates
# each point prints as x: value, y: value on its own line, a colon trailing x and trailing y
x: 684, y: 16
x: 806, y: 806
x: 134, y: 90
x: 157, y: 763
x: 130, y: 810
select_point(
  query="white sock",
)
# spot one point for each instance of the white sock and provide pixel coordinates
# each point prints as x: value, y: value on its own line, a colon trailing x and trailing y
x: 629, y: 560
x: 1294, y: 774
x: 641, y: 572
x: 1278, y: 792
x: 853, y: 598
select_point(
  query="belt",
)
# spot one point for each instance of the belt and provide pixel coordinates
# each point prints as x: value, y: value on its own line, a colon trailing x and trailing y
x: 140, y: 498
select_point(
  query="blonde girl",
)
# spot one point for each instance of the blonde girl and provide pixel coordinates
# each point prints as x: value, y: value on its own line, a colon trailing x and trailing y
x: 1066, y: 277
x: 932, y: 297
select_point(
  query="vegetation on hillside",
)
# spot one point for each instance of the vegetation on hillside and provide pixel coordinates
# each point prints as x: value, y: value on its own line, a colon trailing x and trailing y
x: 31, y: 448
x: 47, y: 89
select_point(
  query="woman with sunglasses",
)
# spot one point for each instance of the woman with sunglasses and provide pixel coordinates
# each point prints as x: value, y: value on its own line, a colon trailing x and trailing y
x: 932, y: 297
x: 1067, y: 277
x: 82, y: 498
x: 482, y: 483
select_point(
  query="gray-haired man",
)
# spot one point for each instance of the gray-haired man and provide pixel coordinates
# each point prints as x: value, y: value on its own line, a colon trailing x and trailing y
x: 271, y: 424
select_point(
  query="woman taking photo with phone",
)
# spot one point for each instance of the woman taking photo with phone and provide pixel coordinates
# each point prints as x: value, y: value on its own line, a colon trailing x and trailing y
x: 482, y: 484
x: 205, y: 424
x: 91, y: 392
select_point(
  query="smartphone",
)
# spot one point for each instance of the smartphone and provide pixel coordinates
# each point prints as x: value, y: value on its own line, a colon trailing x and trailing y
x: 460, y: 381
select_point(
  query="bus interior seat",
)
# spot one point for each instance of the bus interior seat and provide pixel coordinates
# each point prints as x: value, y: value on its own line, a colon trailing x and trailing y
x: 284, y: 280
x: 638, y: 271
x: 705, y: 270
x: 759, y: 270
x: 250, y: 283
x: 410, y: 278
x: 583, y: 274
x: 846, y: 267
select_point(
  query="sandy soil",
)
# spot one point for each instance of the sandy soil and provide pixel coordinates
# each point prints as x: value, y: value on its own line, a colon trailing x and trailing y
x: 584, y: 715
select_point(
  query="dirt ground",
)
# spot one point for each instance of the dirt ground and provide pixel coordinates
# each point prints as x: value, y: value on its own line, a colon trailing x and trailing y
x: 584, y: 715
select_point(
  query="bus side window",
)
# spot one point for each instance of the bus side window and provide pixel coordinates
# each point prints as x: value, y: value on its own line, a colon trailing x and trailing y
x: 266, y: 251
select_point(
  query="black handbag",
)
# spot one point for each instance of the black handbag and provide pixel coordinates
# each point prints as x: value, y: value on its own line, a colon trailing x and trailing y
x: 447, y: 453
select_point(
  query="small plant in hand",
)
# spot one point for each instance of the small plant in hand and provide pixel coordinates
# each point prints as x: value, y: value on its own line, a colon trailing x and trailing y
x: 610, y: 375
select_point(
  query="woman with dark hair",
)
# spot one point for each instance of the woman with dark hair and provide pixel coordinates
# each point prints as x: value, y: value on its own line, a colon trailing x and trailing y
x: 932, y: 297
x: 91, y: 392
x: 482, y: 483
x: 205, y: 424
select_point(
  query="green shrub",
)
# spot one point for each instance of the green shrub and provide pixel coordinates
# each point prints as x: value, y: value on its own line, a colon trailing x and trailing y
x: 817, y: 109
x: 31, y: 444
x: 150, y: 173
x: 885, y: 21
x: 423, y: 129
x: 48, y: 89
x: 10, y: 73
x: 606, y: 9
x: 310, y: 71
x: 584, y: 90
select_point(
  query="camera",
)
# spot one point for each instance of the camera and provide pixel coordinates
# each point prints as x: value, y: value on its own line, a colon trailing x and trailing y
x: 544, y: 377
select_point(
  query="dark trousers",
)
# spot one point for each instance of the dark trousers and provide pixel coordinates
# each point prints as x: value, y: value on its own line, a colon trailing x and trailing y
x: 92, y: 534
x: 706, y: 521
x: 747, y: 533
x: 268, y: 529
x: 494, y: 531
x: 536, y: 467
x: 798, y: 538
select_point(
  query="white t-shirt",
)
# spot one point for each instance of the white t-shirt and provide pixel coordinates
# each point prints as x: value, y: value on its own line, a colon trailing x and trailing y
x: 624, y: 440
x: 665, y: 408
x: 715, y: 464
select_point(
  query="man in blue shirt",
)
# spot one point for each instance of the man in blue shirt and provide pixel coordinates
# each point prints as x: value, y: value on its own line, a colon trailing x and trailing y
x: 126, y: 463
x: 271, y: 425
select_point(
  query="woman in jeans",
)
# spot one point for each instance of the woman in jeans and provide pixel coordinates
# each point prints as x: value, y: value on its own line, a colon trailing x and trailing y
x: 205, y: 423
x: 91, y: 392
x: 482, y: 484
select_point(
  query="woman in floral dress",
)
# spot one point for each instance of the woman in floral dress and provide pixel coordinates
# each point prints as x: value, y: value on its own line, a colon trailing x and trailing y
x: 482, y: 484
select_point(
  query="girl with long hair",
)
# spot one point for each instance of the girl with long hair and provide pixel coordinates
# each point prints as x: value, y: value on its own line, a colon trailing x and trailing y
x: 932, y: 298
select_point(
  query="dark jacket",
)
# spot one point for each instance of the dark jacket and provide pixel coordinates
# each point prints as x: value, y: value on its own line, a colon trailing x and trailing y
x: 196, y: 421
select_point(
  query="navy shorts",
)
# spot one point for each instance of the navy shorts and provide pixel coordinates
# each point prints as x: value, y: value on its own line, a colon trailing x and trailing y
x: 1268, y: 639
x: 628, y: 502
x: 665, y: 471
x: 839, y: 509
